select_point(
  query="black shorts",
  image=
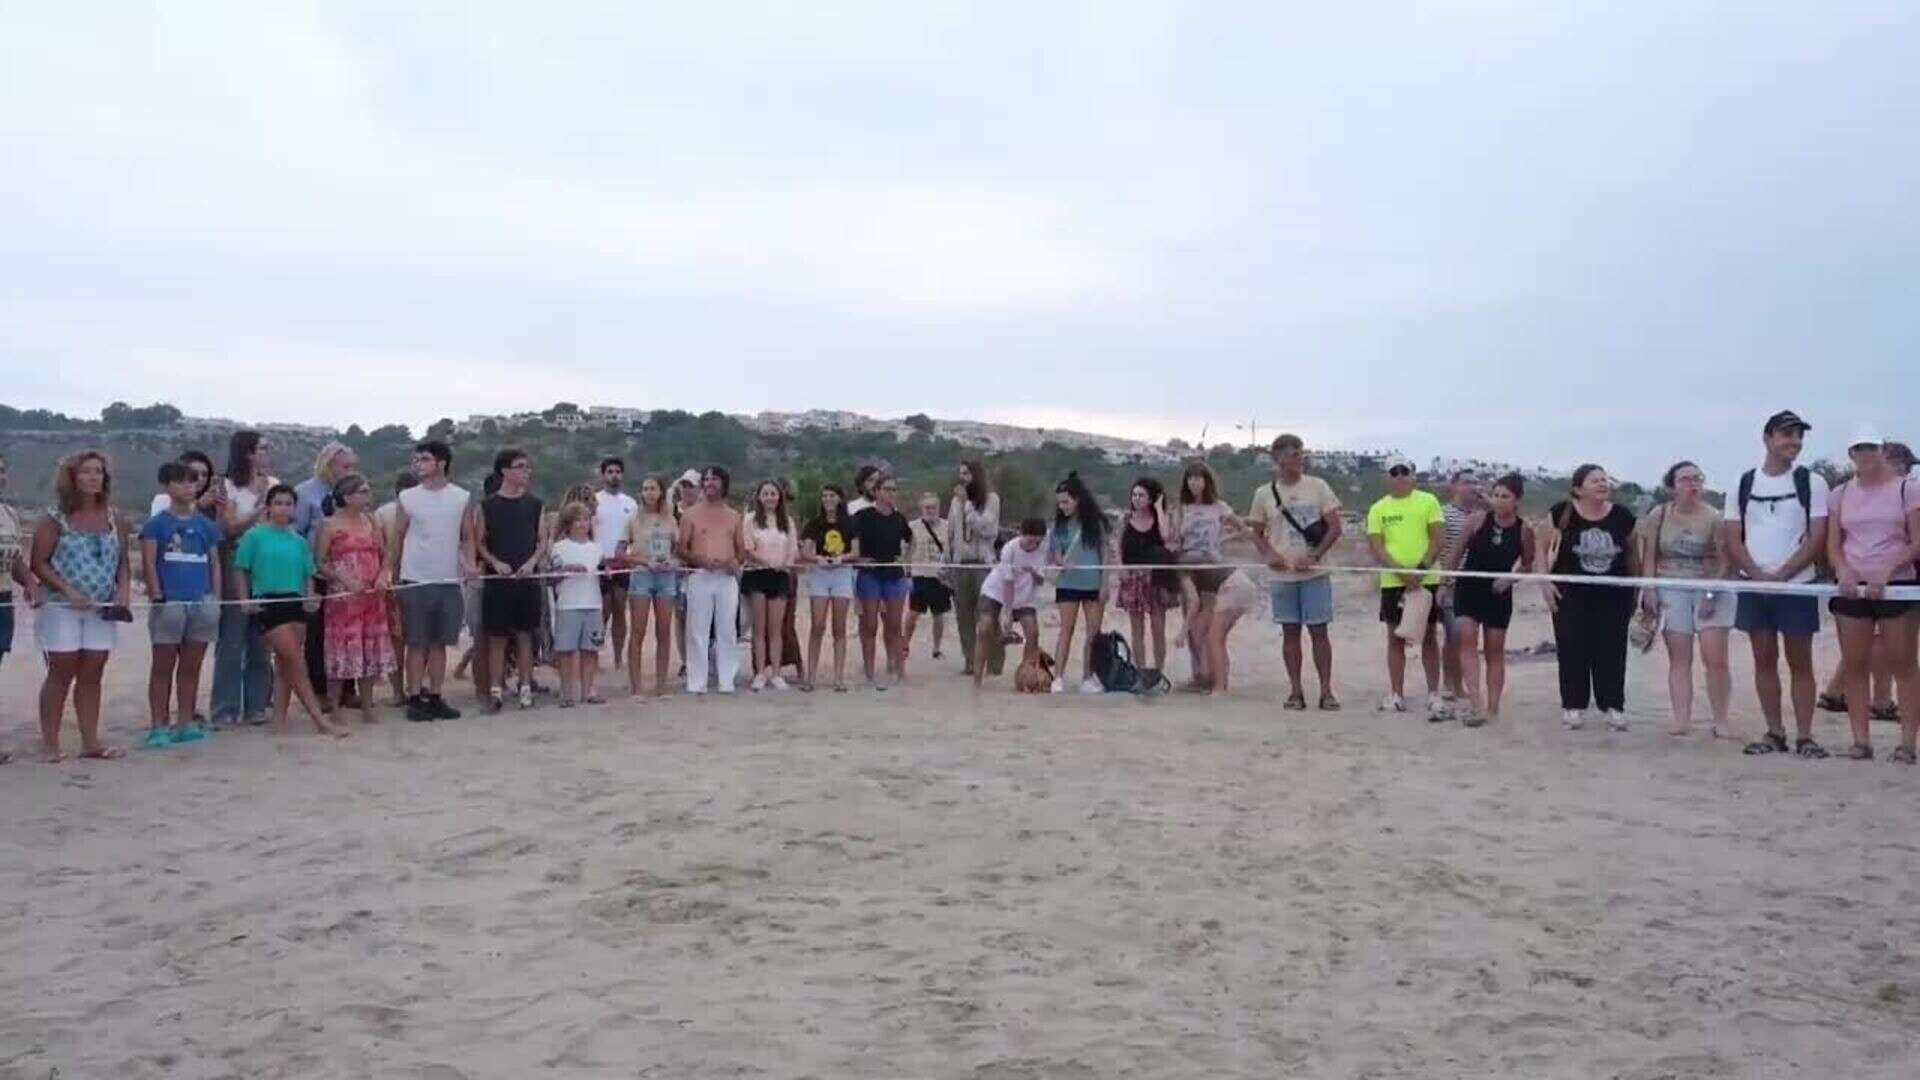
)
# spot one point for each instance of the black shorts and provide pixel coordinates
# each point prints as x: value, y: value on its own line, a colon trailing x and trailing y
x: 279, y: 609
x: 1474, y: 598
x: 1859, y: 607
x: 509, y: 606
x: 772, y: 584
x: 1076, y: 596
x: 930, y: 594
x: 613, y: 587
x: 1394, y: 601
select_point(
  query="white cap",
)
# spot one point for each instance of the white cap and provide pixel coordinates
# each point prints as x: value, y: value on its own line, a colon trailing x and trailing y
x: 1399, y: 461
x: 691, y: 476
x: 1864, y: 435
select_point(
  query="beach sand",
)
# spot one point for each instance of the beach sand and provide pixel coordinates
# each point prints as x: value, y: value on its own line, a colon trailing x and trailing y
x: 926, y: 883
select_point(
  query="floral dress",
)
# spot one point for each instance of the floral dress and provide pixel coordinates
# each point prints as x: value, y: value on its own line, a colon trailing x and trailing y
x: 358, y: 645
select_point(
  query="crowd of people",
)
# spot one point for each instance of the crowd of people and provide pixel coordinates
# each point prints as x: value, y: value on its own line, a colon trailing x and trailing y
x: 309, y: 595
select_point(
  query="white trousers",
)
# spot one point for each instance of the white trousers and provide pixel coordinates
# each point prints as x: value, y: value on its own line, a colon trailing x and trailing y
x: 713, y: 603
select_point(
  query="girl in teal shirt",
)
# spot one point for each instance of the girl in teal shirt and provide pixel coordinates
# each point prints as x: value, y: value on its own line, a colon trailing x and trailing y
x: 273, y: 567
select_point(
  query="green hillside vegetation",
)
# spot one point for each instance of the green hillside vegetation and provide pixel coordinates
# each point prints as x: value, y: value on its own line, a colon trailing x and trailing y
x: 671, y: 441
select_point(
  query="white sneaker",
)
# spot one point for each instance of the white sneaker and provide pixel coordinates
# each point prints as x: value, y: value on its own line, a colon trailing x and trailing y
x: 779, y: 683
x: 1393, y: 703
x: 1058, y: 687
x: 1573, y: 718
x: 1616, y: 719
x: 759, y: 683
x: 1091, y: 685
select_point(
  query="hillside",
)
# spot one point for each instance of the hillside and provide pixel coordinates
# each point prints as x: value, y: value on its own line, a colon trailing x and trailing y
x: 666, y: 442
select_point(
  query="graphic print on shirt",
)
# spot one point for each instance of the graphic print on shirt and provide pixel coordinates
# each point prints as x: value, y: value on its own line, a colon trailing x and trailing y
x: 833, y: 542
x: 1596, y: 551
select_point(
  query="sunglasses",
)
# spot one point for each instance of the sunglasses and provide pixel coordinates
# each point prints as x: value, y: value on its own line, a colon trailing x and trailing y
x: 1399, y: 470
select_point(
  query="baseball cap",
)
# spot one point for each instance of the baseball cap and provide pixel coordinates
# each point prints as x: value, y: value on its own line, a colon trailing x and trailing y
x: 1865, y: 435
x: 691, y: 476
x: 1783, y: 420
x: 1398, y: 461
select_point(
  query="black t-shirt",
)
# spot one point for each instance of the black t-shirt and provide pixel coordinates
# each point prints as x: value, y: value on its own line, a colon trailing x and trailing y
x: 513, y: 527
x: 1592, y: 548
x: 882, y: 537
x: 829, y: 539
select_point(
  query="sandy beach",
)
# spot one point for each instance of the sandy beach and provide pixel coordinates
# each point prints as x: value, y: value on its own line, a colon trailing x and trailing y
x: 929, y: 883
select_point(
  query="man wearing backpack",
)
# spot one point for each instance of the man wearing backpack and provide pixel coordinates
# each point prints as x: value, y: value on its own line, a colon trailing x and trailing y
x: 1776, y: 526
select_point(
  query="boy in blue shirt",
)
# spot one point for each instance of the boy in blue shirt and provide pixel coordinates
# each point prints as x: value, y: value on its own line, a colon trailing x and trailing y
x: 179, y: 550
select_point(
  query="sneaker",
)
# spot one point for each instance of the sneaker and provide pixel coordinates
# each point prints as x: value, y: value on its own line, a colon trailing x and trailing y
x: 1574, y: 719
x: 257, y: 720
x: 191, y: 733
x: 419, y: 711
x: 1091, y: 685
x: 1616, y: 719
x: 158, y: 739
x: 495, y: 701
x: 1393, y: 703
x: 759, y: 683
x: 1439, y: 710
x: 1058, y: 687
x: 779, y: 683
x: 442, y: 710
x: 526, y: 695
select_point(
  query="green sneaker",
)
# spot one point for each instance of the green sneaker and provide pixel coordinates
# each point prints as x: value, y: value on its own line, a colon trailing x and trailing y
x: 189, y: 733
x: 159, y: 739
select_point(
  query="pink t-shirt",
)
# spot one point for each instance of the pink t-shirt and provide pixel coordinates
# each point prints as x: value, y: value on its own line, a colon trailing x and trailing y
x: 1873, y: 523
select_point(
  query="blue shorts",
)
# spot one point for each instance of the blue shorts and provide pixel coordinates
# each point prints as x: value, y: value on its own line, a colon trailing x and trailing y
x: 1308, y: 603
x: 830, y: 582
x: 654, y: 584
x: 1794, y: 616
x: 871, y: 586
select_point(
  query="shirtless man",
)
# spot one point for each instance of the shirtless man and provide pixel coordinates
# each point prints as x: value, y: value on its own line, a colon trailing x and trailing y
x: 713, y: 546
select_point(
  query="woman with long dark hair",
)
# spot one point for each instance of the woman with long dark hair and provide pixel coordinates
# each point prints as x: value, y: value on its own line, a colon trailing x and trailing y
x: 242, y: 672
x: 1589, y: 535
x: 1145, y: 594
x: 826, y: 544
x: 1079, y: 541
x: 772, y: 548
x: 1494, y: 540
x: 973, y: 532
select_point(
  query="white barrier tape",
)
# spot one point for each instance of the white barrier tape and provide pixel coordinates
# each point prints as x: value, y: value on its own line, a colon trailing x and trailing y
x: 1777, y: 588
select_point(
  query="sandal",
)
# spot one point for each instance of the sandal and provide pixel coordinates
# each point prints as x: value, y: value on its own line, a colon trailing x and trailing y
x: 1773, y: 742
x: 1296, y: 702
x: 103, y: 753
x: 594, y: 699
x: 1902, y: 756
x: 1807, y: 748
x: 1860, y: 753
x: 1473, y: 720
x: 1832, y: 702
x: 1329, y: 703
x: 1888, y: 712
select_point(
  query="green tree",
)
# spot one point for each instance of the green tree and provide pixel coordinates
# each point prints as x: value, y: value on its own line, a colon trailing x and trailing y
x: 440, y: 429
x: 921, y: 423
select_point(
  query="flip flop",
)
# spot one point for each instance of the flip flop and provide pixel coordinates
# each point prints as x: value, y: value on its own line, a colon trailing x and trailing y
x: 1296, y: 702
x: 1832, y: 702
x: 104, y: 753
x: 1329, y: 703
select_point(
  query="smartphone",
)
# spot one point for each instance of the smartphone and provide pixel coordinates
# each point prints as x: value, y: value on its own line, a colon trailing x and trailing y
x: 116, y: 613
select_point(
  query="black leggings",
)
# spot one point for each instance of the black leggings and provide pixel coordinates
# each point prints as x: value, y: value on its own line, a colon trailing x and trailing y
x: 1590, y: 642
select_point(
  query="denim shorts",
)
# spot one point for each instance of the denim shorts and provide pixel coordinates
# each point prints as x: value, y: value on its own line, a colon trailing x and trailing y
x: 872, y: 586
x: 656, y: 584
x: 1680, y: 611
x: 830, y: 581
x: 1303, y: 603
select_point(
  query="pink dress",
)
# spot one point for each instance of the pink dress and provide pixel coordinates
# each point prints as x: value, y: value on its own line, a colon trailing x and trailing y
x: 358, y: 645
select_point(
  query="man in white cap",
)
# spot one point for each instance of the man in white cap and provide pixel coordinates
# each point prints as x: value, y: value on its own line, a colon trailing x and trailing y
x: 1775, y: 529
x: 1407, y: 529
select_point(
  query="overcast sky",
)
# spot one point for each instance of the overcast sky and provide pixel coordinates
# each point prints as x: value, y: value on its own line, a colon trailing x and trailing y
x: 1547, y: 232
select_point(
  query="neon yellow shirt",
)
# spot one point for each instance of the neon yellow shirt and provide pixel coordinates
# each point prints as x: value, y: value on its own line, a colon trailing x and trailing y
x: 1404, y: 527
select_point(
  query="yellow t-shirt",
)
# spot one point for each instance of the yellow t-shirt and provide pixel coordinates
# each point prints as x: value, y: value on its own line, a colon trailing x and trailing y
x: 1309, y: 500
x: 1404, y: 527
